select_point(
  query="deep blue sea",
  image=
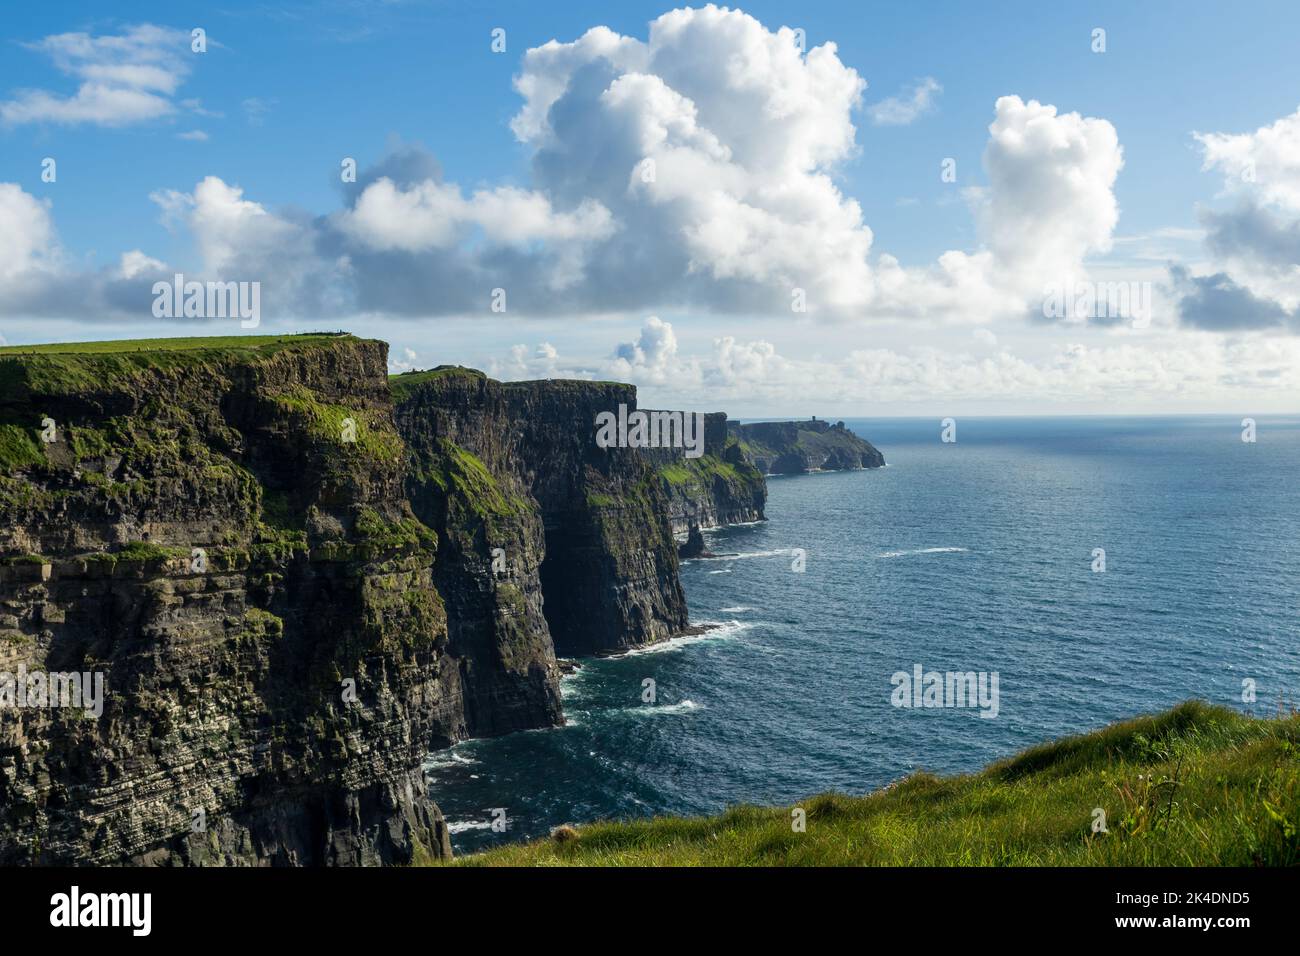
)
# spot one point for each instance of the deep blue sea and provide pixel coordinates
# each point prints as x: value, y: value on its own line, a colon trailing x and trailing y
x: 970, y: 556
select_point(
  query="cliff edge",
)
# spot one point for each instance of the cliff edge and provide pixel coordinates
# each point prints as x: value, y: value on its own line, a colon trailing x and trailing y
x: 791, y: 448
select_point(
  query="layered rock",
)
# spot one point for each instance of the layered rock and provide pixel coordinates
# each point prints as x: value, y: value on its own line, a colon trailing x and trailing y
x: 222, y: 534
x: 607, y: 567
x: 720, y: 487
x: 788, y: 448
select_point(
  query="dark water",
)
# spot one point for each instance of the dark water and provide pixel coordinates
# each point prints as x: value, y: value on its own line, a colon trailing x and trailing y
x: 973, y: 556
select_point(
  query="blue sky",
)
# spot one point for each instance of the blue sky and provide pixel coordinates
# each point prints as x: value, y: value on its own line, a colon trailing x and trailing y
x: 285, y: 91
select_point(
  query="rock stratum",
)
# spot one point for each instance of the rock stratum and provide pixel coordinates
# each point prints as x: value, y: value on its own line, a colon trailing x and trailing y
x: 296, y: 578
x: 723, y: 486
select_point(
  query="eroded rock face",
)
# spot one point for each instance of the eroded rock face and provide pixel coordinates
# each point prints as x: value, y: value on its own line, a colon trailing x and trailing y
x: 721, y: 487
x: 226, y: 736
x: 607, y: 565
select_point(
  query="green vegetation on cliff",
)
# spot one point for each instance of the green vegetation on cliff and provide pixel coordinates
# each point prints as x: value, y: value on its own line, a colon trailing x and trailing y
x: 72, y: 367
x: 459, y: 473
x: 1194, y: 786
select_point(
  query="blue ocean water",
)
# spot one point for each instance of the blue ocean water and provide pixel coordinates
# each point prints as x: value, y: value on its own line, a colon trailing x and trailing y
x: 975, y: 555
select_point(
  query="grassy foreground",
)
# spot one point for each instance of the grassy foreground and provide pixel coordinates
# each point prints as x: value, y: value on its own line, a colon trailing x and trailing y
x: 1194, y: 786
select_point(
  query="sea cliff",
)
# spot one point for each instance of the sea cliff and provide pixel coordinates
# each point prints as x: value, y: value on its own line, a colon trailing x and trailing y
x: 296, y: 578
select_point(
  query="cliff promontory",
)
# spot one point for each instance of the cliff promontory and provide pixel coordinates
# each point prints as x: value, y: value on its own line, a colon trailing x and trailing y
x: 790, y: 448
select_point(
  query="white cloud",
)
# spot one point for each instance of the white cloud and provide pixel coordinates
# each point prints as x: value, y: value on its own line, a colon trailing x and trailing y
x: 194, y: 136
x: 240, y: 240
x: 712, y: 144
x: 1264, y: 164
x: 28, y: 230
x: 1252, y: 278
x: 433, y: 215
x: 908, y: 105
x: 651, y: 357
x: 135, y: 263
x: 125, y: 78
x: 1050, y: 201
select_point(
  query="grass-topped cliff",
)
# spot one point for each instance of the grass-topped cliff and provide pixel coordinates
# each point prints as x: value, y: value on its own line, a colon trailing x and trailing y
x: 785, y: 448
x: 219, y: 529
x: 1194, y: 786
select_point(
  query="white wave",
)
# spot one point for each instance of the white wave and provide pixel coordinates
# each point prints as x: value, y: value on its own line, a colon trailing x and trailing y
x: 460, y: 826
x: 443, y: 759
x: 721, y: 631
x: 904, y: 554
x: 657, y: 710
x: 723, y: 571
x: 738, y: 609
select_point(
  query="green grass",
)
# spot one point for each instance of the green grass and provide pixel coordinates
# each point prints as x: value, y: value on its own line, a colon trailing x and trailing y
x: 460, y: 474
x: 1194, y: 786
x: 374, y: 434
x: 223, y: 342
x: 68, y: 368
x: 18, y: 448
x: 404, y: 383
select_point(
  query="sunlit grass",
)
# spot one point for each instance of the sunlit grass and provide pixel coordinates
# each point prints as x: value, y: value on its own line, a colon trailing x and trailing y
x: 1194, y: 786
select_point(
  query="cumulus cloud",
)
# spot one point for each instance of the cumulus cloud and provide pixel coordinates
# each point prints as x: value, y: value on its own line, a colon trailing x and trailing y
x: 908, y: 106
x: 1265, y: 163
x: 692, y: 170
x: 651, y: 357
x: 124, y: 78
x: 38, y: 279
x: 1048, y: 206
x: 28, y: 230
x: 1050, y: 200
x: 432, y: 215
x: 1254, y: 273
x: 240, y: 240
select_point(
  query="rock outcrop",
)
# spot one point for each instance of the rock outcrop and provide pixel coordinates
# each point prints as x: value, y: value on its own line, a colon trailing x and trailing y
x: 720, y: 487
x: 790, y: 448
x: 292, y: 589
x: 608, y: 568
x: 222, y: 534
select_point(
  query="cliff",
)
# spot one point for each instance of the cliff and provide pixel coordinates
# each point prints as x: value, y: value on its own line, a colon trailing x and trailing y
x: 220, y: 531
x: 787, y: 448
x: 720, y: 487
x: 292, y: 589
x: 593, y: 539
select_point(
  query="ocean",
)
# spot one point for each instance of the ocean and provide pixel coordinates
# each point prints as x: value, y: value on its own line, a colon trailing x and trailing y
x: 976, y: 555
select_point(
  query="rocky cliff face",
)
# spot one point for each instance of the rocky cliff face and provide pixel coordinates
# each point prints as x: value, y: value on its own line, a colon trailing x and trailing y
x: 721, y: 487
x: 594, y: 541
x: 293, y: 588
x: 223, y: 535
x: 787, y: 448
